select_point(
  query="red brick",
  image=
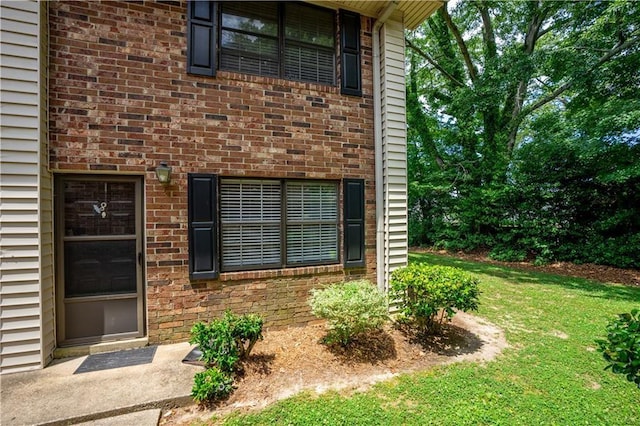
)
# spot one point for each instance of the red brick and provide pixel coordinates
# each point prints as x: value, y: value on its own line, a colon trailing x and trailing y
x: 121, y: 101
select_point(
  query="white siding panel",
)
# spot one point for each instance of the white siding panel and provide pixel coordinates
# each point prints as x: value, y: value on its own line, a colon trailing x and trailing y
x: 17, y: 50
x: 12, y: 156
x: 47, y: 279
x: 18, y: 74
x: 31, y: 311
x: 394, y: 147
x: 14, y: 324
x: 18, y: 87
x: 25, y: 122
x: 21, y: 115
x: 20, y: 169
x: 19, y: 145
x: 21, y: 334
x: 20, y: 362
x: 19, y: 288
x: 22, y: 346
x: 16, y: 34
x: 16, y: 108
x: 18, y: 181
x: 16, y: 8
x: 18, y: 62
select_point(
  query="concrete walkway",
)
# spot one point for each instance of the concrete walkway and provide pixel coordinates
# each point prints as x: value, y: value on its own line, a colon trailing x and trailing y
x: 55, y: 395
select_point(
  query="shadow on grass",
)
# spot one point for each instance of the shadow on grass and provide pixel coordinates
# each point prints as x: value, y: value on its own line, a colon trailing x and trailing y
x: 370, y: 348
x: 450, y: 341
x: 518, y: 276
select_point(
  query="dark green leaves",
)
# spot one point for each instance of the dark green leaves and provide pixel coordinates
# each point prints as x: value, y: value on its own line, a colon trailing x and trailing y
x: 621, y: 349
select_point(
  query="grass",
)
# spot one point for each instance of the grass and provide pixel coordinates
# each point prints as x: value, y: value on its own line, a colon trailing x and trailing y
x: 551, y: 374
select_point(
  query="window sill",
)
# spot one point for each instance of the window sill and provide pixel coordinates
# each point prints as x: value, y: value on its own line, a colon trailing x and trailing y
x: 281, y: 273
x: 277, y: 82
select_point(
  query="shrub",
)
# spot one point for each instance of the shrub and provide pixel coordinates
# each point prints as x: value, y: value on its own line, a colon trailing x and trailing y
x: 247, y: 330
x: 211, y: 384
x: 427, y: 295
x: 350, y: 309
x: 621, y: 349
x: 226, y: 340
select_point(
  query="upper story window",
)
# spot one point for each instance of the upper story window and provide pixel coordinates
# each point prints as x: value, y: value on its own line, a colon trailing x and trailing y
x: 290, y: 40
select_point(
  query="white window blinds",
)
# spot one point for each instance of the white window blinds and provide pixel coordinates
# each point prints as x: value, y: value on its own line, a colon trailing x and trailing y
x: 312, y: 222
x: 250, y: 219
x: 255, y: 227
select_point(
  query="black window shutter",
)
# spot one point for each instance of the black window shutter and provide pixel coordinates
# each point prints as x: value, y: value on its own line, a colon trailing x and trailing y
x: 354, y: 223
x: 203, y: 226
x: 351, y: 83
x: 201, y: 37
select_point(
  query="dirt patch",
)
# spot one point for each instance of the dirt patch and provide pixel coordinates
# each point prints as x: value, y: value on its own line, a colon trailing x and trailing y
x: 289, y: 361
x: 601, y: 273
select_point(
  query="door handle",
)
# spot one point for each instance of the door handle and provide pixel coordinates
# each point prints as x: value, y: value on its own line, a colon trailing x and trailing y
x: 140, y: 258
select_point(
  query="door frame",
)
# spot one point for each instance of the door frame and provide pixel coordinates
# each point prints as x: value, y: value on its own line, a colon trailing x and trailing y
x: 59, y: 235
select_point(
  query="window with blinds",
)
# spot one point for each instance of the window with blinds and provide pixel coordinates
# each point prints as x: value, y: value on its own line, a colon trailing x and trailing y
x: 250, y: 223
x: 281, y: 39
x: 260, y: 217
x: 312, y: 222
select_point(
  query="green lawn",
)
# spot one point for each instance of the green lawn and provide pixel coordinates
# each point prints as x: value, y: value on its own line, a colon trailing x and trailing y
x: 551, y: 374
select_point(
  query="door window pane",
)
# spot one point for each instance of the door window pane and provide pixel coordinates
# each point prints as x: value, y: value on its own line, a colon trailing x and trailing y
x: 95, y: 268
x: 99, y: 208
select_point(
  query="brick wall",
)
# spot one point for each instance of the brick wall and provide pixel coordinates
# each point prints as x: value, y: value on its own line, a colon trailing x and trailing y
x: 121, y: 102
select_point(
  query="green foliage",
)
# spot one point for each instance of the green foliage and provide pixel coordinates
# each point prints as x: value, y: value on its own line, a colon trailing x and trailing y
x: 223, y: 342
x: 247, y: 330
x: 507, y: 254
x: 350, y: 309
x: 210, y: 385
x: 226, y: 340
x: 524, y: 136
x: 549, y: 375
x: 621, y: 349
x: 427, y: 295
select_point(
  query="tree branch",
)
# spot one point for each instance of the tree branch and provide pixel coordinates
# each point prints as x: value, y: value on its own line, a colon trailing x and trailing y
x: 416, y: 117
x: 471, y: 69
x: 517, y: 120
x: 531, y: 37
x: 488, y: 34
x: 433, y: 62
x: 558, y: 91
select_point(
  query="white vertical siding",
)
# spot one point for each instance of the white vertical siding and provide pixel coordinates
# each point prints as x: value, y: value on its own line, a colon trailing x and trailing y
x: 21, y: 112
x: 394, y: 146
x: 47, y: 278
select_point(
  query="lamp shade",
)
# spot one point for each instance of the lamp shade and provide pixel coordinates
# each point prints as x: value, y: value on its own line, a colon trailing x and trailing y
x: 163, y: 173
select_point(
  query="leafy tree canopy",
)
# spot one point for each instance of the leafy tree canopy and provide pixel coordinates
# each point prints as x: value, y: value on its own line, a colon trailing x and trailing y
x: 524, y: 123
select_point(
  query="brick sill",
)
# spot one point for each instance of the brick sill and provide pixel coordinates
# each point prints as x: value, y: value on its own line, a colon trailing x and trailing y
x: 281, y: 273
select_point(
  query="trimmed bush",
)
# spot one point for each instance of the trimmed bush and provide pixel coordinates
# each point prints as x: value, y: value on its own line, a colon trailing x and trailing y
x: 223, y: 342
x: 427, y: 295
x: 210, y: 385
x: 350, y: 309
x: 621, y: 349
x: 226, y: 340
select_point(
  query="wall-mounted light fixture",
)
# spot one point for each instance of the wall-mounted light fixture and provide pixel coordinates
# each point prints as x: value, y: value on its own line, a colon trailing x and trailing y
x: 163, y: 173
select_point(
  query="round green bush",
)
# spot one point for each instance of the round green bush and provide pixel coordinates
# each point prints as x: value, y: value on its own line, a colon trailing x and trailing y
x: 427, y: 295
x: 350, y: 309
x: 211, y: 385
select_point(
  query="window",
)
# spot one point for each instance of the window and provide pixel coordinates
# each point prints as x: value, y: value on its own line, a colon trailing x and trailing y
x: 257, y: 221
x: 252, y: 37
x: 289, y: 40
x: 250, y: 222
x: 271, y: 223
